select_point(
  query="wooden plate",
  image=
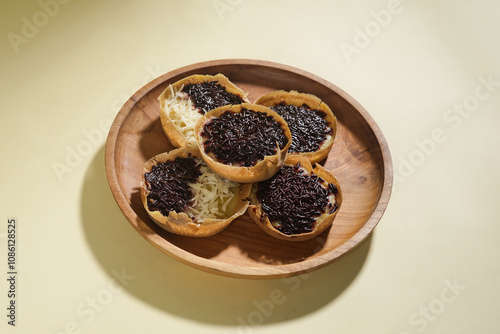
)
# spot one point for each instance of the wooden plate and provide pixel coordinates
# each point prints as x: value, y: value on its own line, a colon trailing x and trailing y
x: 360, y: 160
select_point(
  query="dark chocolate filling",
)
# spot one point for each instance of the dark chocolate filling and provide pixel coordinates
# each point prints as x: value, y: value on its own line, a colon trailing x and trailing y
x: 294, y: 199
x: 168, y: 185
x: 308, y: 126
x: 210, y: 95
x: 243, y: 138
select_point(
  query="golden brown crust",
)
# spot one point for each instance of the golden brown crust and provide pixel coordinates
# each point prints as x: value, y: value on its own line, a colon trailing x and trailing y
x: 322, y: 223
x: 176, y: 137
x: 264, y: 169
x: 295, y: 98
x: 179, y: 222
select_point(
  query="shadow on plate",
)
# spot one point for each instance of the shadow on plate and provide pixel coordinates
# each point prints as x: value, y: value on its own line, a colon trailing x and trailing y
x: 181, y: 290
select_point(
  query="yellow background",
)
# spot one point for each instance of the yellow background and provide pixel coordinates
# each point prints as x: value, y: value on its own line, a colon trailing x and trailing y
x: 431, y: 265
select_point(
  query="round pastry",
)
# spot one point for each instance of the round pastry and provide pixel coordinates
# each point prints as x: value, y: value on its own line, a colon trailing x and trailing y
x: 311, y: 122
x: 185, y: 101
x: 298, y: 202
x: 183, y: 196
x: 244, y: 143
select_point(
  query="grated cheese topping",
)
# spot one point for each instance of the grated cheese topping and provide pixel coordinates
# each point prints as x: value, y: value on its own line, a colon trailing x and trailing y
x: 213, y: 196
x: 182, y: 113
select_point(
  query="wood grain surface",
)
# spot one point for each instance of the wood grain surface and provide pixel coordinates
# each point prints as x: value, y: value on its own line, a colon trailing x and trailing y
x: 360, y: 160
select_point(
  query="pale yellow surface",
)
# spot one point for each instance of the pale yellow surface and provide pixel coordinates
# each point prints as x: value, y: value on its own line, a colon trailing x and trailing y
x: 431, y: 265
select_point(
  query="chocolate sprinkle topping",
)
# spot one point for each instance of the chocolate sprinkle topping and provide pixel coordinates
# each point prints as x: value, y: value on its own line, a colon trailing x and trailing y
x: 294, y: 199
x: 308, y: 126
x: 210, y: 95
x: 242, y: 138
x: 168, y: 185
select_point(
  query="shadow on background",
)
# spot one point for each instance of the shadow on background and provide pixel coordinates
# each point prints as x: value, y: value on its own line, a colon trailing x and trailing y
x: 193, y: 294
